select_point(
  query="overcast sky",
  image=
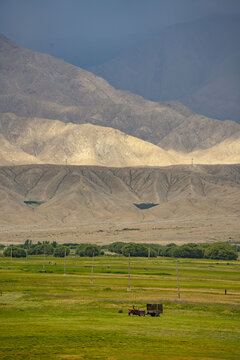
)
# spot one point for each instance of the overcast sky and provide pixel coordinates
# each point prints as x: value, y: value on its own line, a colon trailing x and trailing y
x: 88, y: 32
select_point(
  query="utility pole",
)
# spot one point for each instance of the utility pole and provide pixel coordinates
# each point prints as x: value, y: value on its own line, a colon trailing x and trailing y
x: 91, y: 281
x: 178, y: 280
x: 149, y: 253
x: 26, y: 255
x: 44, y: 257
x: 64, y: 261
x: 129, y: 288
x: 11, y: 254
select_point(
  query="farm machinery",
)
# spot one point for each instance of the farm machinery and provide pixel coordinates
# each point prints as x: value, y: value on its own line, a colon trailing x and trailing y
x: 152, y: 310
x: 136, y: 311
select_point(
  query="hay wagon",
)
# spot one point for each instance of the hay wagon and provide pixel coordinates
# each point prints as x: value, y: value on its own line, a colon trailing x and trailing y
x: 154, y: 309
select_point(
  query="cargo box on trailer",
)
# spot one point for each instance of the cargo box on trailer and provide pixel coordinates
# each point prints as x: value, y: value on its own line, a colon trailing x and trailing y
x: 154, y: 309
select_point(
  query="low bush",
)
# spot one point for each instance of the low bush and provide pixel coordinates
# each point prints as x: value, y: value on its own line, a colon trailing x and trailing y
x: 89, y: 250
x: 116, y: 247
x: 193, y: 251
x: 61, y: 250
x: 220, y: 251
x: 16, y: 252
x: 135, y: 250
x: 41, y: 248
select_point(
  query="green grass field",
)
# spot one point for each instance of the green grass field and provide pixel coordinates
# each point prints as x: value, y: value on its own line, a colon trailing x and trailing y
x: 46, y: 315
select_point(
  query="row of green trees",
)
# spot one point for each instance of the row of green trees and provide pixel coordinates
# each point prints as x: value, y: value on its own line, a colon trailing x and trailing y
x: 17, y: 251
x: 47, y: 248
x: 218, y: 251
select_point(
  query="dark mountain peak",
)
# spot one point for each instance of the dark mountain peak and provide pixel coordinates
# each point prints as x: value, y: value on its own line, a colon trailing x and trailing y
x: 38, y: 85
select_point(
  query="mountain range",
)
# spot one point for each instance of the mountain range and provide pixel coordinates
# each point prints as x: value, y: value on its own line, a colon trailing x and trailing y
x: 74, y: 149
x: 42, y: 141
x: 35, y: 85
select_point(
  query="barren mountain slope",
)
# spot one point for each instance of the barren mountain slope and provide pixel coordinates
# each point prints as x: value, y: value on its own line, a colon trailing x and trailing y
x: 196, y: 63
x: 34, y: 140
x: 193, y: 134
x: 39, y: 85
x: 37, y: 141
x: 227, y: 152
x: 12, y: 154
x: 73, y: 194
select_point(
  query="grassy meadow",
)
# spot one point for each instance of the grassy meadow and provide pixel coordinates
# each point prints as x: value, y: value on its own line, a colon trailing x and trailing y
x: 46, y: 315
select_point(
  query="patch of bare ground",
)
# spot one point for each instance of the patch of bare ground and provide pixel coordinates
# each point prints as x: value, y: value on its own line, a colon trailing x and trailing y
x: 179, y: 231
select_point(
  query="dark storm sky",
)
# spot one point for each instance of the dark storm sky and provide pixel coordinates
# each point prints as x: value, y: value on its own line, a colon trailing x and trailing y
x: 88, y: 32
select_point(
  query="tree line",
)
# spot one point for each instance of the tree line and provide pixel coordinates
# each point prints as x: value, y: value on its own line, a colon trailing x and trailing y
x: 51, y: 248
x: 217, y: 251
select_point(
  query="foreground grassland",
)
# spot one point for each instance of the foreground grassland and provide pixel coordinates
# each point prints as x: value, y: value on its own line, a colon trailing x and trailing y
x: 46, y: 315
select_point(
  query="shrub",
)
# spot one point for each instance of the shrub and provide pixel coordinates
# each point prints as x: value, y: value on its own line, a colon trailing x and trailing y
x: 220, y: 251
x: 155, y: 248
x: 168, y: 250
x: 135, y: 250
x: 188, y: 251
x: 71, y: 245
x: 16, y: 252
x: 27, y: 244
x: 235, y: 247
x: 89, y: 250
x: 160, y: 250
x: 116, y: 247
x: 60, y: 251
x: 153, y: 252
x: 39, y: 248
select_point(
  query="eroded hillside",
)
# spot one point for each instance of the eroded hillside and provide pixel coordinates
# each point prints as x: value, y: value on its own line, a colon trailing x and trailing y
x: 78, y: 194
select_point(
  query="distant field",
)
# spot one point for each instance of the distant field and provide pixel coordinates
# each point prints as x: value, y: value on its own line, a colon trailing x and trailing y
x: 46, y: 315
